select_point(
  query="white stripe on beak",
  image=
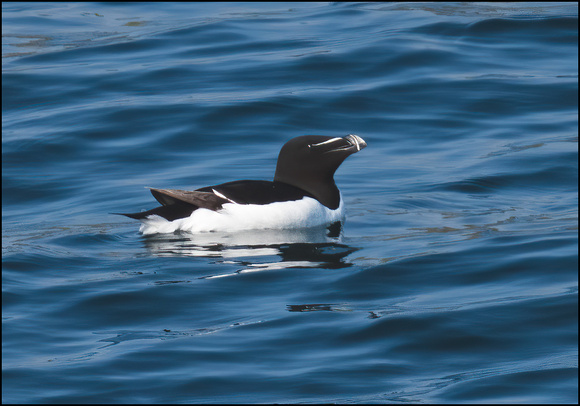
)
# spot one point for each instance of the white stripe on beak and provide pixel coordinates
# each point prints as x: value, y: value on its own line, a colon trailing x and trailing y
x: 355, y: 138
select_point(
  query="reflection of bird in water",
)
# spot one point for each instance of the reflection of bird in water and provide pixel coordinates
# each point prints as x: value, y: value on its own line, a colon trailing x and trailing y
x: 329, y: 256
x: 316, y: 307
x: 259, y: 250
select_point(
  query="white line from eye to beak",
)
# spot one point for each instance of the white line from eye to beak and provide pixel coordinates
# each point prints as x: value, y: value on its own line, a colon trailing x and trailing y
x: 326, y: 142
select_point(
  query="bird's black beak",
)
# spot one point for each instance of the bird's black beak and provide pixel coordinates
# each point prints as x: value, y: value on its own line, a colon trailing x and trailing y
x: 356, y: 142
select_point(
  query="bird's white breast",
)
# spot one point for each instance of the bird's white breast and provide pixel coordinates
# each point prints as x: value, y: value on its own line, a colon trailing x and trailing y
x: 303, y: 213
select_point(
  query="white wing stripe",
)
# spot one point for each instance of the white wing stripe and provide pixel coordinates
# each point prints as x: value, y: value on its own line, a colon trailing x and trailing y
x: 223, y: 196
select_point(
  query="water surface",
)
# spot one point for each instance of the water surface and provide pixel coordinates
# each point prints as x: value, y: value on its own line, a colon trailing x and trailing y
x: 453, y: 279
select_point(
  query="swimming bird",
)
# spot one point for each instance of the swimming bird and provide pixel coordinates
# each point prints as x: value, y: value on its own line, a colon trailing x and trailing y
x: 302, y: 194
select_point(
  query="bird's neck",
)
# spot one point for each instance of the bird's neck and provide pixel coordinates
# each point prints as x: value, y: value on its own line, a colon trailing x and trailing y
x: 325, y: 192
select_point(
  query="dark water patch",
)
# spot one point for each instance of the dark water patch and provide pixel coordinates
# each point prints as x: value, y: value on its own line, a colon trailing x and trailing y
x: 555, y: 177
x: 535, y: 28
x: 510, y: 385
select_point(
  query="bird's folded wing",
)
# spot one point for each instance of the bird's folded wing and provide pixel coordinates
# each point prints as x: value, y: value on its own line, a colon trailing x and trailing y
x: 204, y: 200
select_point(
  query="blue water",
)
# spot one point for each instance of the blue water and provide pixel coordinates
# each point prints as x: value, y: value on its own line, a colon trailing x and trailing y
x: 455, y: 277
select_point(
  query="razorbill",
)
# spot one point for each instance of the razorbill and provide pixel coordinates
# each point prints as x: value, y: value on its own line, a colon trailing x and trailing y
x: 302, y: 194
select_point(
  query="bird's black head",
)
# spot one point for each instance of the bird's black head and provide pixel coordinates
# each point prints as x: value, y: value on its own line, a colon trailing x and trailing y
x: 309, y: 162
